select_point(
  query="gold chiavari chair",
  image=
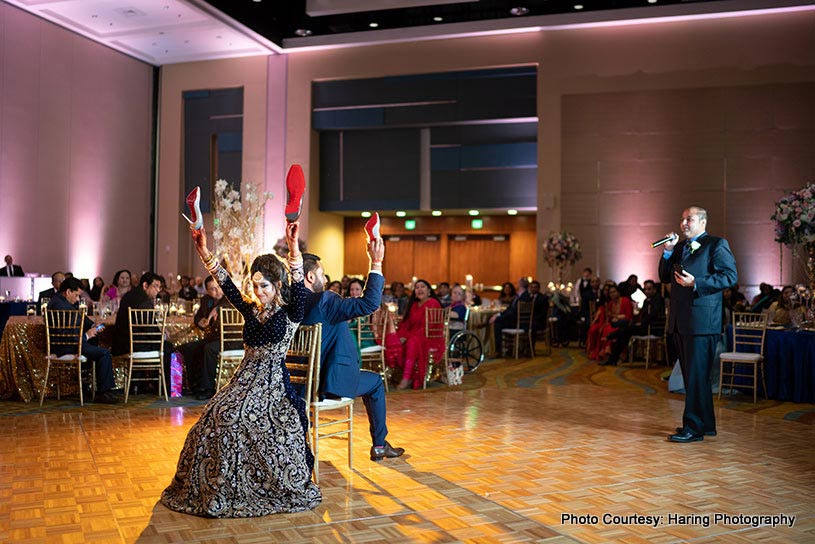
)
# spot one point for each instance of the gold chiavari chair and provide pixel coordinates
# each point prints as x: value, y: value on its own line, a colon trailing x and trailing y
x: 372, y: 357
x: 147, y: 347
x: 523, y: 330
x: 229, y: 356
x: 436, y: 326
x: 63, y: 333
x: 749, y: 331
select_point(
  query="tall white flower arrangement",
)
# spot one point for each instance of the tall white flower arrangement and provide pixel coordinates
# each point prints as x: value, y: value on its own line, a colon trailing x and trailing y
x: 237, y: 218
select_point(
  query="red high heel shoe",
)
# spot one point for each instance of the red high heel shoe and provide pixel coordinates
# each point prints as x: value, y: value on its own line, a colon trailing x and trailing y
x: 372, y: 227
x: 295, y: 187
x: 194, y: 201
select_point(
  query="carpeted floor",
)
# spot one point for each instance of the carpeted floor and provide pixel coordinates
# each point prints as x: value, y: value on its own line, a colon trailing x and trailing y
x: 565, y: 366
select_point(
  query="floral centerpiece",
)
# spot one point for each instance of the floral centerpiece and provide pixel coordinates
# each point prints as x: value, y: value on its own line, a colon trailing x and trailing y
x: 795, y: 224
x: 561, y: 249
x: 795, y: 217
x: 237, y: 217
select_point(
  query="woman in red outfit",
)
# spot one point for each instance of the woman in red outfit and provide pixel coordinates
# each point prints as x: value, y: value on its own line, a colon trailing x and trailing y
x: 415, y: 346
x: 608, y: 318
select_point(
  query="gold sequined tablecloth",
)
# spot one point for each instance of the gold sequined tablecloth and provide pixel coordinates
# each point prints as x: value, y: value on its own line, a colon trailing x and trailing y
x: 22, y: 354
x: 478, y: 321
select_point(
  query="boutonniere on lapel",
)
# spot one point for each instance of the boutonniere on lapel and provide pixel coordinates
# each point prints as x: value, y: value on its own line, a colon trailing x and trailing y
x: 694, y: 246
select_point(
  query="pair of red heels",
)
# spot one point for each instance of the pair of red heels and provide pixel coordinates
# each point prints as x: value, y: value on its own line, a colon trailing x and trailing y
x: 295, y: 187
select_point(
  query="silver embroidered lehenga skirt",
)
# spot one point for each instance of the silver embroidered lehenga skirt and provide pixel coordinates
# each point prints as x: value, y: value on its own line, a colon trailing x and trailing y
x: 247, y: 455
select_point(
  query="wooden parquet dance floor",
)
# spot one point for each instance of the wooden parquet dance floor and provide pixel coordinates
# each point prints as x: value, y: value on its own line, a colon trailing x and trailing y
x: 522, y: 452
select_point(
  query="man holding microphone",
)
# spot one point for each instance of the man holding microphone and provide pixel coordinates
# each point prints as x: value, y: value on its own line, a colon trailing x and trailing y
x: 698, y: 268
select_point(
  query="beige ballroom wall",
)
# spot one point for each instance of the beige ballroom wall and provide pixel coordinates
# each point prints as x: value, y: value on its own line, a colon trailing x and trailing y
x: 75, y: 151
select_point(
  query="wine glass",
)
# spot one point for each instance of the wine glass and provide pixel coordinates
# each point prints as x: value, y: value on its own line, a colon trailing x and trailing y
x: 31, y: 310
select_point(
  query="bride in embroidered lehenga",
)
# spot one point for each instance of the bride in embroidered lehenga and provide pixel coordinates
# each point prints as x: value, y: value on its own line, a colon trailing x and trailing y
x: 248, y: 455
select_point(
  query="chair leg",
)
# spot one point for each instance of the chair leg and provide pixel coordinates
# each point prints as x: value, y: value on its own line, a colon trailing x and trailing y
x: 45, y: 382
x: 127, y: 381
x: 350, y: 434
x: 79, y: 376
x: 647, y: 353
x: 721, y: 377
x: 764, y: 382
x: 316, y: 444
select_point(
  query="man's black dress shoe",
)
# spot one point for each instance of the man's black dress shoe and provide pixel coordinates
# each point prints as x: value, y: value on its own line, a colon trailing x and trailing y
x: 205, y: 395
x: 608, y: 363
x: 680, y: 430
x: 106, y: 398
x: 684, y: 437
x: 381, y: 452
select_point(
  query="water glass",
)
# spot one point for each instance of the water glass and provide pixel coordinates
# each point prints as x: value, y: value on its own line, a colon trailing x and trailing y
x: 31, y: 310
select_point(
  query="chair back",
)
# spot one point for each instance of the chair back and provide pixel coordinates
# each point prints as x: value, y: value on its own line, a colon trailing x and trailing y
x: 524, y: 315
x: 366, y: 329
x: 147, y: 329
x: 231, y: 328
x: 437, y: 322
x: 656, y: 327
x: 63, y: 332
x: 749, y: 330
x: 303, y: 359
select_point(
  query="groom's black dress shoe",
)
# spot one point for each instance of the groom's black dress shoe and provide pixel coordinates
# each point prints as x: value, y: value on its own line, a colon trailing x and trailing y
x: 680, y: 430
x: 686, y: 436
x: 380, y: 452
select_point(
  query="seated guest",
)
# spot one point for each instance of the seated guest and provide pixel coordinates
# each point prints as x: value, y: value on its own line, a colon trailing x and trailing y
x: 458, y: 309
x: 629, y: 286
x: 163, y: 294
x: 199, y: 286
x: 121, y: 285
x: 653, y: 309
x: 202, y: 355
x: 785, y: 311
x: 616, y: 313
x: 355, y: 289
x: 187, y: 291
x: 67, y: 298
x: 56, y: 280
x: 398, y: 297
x: 143, y: 296
x: 443, y: 294
x: 415, y: 346
x: 763, y: 299
x: 509, y: 317
x: 336, y: 287
x: 11, y: 269
x: 96, y: 289
x: 507, y: 293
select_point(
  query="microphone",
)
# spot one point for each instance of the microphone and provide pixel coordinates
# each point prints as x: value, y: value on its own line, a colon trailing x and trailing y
x: 664, y: 240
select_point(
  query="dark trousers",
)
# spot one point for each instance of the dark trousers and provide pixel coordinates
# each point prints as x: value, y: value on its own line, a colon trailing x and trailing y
x: 696, y: 355
x: 498, y: 326
x: 372, y: 391
x: 103, y: 362
x: 619, y: 340
x: 201, y: 361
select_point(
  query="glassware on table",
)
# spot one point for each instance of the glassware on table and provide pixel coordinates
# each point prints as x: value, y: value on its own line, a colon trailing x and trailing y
x: 44, y: 304
x: 31, y: 310
x: 82, y: 303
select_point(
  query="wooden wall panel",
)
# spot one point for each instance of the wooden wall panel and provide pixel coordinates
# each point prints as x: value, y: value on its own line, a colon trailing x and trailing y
x: 398, y: 264
x: 522, y: 254
x: 427, y: 263
x: 482, y: 257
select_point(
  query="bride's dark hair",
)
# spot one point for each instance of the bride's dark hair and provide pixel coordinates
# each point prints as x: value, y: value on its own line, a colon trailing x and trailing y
x: 274, y: 270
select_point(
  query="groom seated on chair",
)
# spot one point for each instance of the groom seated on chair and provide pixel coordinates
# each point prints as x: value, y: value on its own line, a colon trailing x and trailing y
x: 66, y: 299
x: 340, y: 374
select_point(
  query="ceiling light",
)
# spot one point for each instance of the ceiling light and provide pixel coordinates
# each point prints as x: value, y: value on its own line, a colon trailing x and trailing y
x: 436, y: 213
x: 302, y: 32
x: 365, y: 214
x: 257, y: 1
x: 652, y: 1
x: 400, y: 213
x: 373, y: 25
x: 512, y: 212
x: 520, y: 10
x: 578, y: 6
x: 473, y: 212
x: 438, y: 19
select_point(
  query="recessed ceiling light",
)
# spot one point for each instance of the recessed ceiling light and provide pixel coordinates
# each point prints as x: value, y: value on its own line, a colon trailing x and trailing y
x: 435, y: 213
x: 257, y: 1
x: 365, y: 214
x: 652, y: 1
x: 520, y: 10
x: 578, y: 6
x: 302, y: 32
x: 473, y: 212
x: 400, y: 213
x: 373, y: 25
x: 438, y: 19
x: 512, y: 212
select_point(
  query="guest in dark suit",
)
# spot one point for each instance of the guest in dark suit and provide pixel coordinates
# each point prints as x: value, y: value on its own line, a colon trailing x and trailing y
x: 653, y: 309
x: 56, y: 280
x: 699, y: 268
x: 66, y: 299
x: 340, y: 373
x: 11, y: 269
x: 142, y: 297
x: 509, y: 317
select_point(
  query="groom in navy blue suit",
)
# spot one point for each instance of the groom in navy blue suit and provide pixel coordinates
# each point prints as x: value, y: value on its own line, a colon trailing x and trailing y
x: 340, y: 373
x: 698, y: 268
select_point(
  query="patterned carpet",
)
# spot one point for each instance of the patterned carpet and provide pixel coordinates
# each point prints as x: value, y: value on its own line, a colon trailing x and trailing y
x: 566, y: 366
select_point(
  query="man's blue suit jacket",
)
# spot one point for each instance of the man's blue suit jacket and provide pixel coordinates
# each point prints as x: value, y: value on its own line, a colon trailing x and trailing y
x: 339, y: 358
x: 699, y: 311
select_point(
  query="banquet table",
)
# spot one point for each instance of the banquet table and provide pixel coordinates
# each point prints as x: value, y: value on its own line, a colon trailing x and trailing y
x: 478, y: 321
x: 789, y: 364
x: 22, y: 353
